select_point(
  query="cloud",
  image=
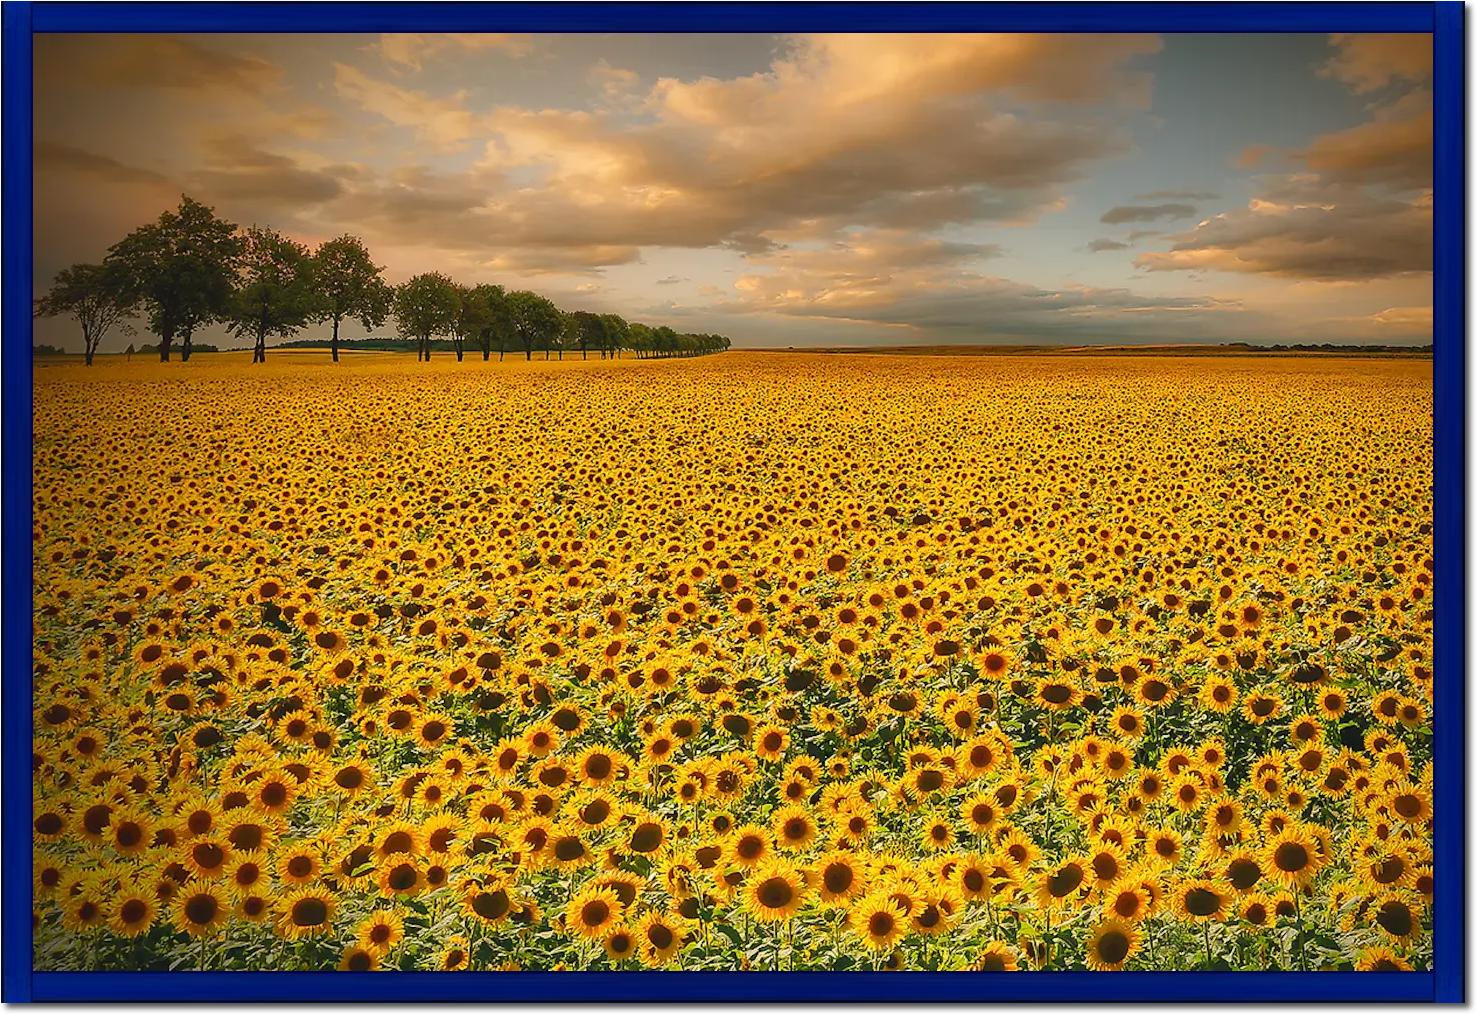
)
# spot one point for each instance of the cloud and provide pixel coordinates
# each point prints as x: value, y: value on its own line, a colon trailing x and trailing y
x: 893, y: 132
x: 1302, y: 227
x: 407, y: 52
x: 614, y: 82
x: 1358, y: 209
x: 1406, y: 318
x: 1179, y: 195
x: 1394, y: 148
x: 1253, y: 155
x: 672, y: 280
x: 1367, y: 63
x: 54, y: 156
x: 443, y: 121
x: 238, y: 171
x: 151, y: 61
x: 934, y: 288
x: 1100, y: 245
x: 1146, y: 212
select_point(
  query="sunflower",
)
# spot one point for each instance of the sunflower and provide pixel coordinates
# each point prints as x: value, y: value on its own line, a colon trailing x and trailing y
x: 489, y: 903
x: 593, y: 912
x: 207, y: 858
x: 878, y: 920
x: 1061, y: 885
x: 748, y: 846
x: 773, y: 892
x: 793, y: 828
x: 381, y: 931
x: 658, y: 937
x: 1112, y: 944
x: 1380, y: 959
x: 306, y: 912
x: 297, y: 866
x: 980, y: 813
x: 400, y: 876
x: 1410, y: 805
x: 1242, y: 870
x: 133, y: 912
x: 1398, y: 914
x: 200, y: 911
x: 1291, y: 856
x: 997, y: 956
x: 454, y: 955
x: 1164, y: 847
x: 1201, y: 900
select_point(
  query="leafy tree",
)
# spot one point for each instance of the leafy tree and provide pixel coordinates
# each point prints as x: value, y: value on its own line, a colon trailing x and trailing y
x: 589, y: 329
x: 473, y: 317
x: 496, y: 324
x: 98, y: 295
x: 181, y: 268
x: 640, y: 340
x: 615, y: 335
x: 665, y: 340
x: 350, y: 285
x: 536, y: 322
x: 427, y: 304
x: 276, y: 293
x: 566, y: 337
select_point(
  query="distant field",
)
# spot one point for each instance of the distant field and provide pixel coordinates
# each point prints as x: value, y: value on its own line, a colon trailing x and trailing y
x: 754, y: 661
x: 1118, y: 350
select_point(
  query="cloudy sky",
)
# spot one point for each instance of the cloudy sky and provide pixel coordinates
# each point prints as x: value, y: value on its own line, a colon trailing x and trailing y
x: 791, y: 190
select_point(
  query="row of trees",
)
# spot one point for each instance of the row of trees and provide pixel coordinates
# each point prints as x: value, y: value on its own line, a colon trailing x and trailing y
x: 191, y: 269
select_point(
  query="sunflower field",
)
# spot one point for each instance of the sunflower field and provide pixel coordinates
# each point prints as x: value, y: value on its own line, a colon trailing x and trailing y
x: 759, y: 661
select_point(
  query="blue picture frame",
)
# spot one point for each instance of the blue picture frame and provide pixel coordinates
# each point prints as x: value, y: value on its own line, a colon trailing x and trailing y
x: 1445, y: 983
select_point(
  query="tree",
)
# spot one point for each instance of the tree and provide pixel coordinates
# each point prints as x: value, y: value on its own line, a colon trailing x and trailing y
x: 276, y: 293
x: 473, y: 317
x: 98, y: 295
x: 589, y: 329
x: 536, y: 322
x: 639, y: 339
x: 180, y: 268
x: 565, y: 337
x: 350, y: 285
x: 496, y: 324
x: 426, y: 305
x: 615, y: 335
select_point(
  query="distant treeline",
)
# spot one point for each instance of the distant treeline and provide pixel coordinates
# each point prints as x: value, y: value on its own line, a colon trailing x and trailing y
x: 191, y: 269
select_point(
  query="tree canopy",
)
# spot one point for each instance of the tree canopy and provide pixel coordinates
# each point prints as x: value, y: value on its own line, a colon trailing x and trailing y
x: 181, y: 267
x: 275, y: 294
x: 191, y: 268
x: 351, y: 286
x: 425, y: 305
x: 98, y: 295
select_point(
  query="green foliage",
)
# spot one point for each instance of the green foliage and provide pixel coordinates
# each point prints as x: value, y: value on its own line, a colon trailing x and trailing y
x: 98, y: 295
x: 181, y: 268
x: 275, y: 295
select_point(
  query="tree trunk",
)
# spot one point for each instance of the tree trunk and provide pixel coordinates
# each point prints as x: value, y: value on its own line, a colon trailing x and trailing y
x: 186, y: 348
x: 335, y: 339
x: 166, y: 339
